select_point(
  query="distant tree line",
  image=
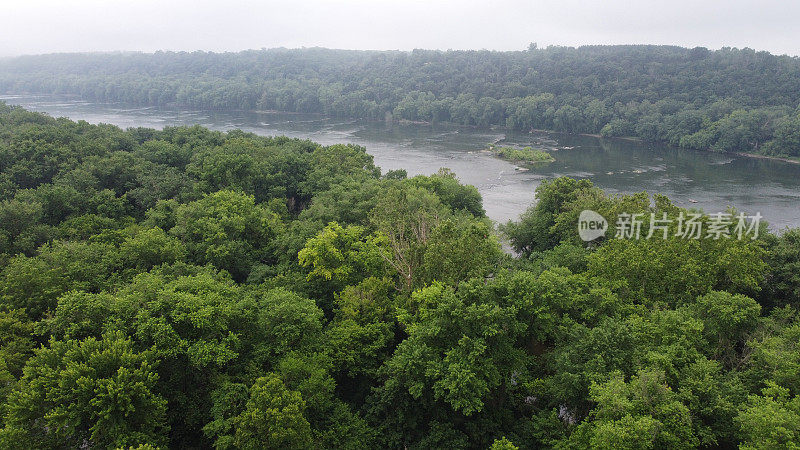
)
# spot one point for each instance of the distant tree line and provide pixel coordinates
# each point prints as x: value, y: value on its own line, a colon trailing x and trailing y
x: 725, y: 100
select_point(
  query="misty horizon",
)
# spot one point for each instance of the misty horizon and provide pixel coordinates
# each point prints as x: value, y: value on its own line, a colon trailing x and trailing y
x: 48, y: 26
x: 539, y: 47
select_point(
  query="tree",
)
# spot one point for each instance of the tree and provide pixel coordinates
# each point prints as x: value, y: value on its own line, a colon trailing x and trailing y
x: 406, y: 217
x: 285, y: 322
x: 455, y: 351
x: 729, y: 321
x: 450, y: 192
x: 534, y: 231
x: 459, y: 250
x: 227, y: 229
x: 16, y: 346
x: 677, y: 270
x: 783, y: 280
x: 196, y: 326
x: 503, y: 443
x: 335, y: 163
x: 775, y: 356
x: 641, y: 413
x: 786, y: 139
x: 150, y: 248
x: 21, y: 230
x: 343, y: 255
x: 91, y: 392
x: 273, y: 418
x: 770, y: 420
x: 35, y: 283
x: 363, y: 328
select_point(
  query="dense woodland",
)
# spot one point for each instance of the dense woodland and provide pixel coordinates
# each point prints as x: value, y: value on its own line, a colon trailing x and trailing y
x: 188, y: 288
x: 725, y: 100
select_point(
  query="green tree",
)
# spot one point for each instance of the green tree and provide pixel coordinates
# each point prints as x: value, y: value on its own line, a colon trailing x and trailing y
x: 343, y: 255
x: 455, y: 351
x: 503, y: 444
x: 273, y: 418
x: 770, y: 420
x: 95, y: 392
x: 227, y: 229
x: 406, y: 217
x: 458, y: 250
x: 535, y: 230
x: 642, y: 413
x: 729, y: 320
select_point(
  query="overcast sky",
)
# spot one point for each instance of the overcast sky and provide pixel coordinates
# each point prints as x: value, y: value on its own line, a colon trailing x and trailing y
x: 45, y: 26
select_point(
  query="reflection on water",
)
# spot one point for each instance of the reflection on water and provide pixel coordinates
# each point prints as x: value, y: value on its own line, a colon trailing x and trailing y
x: 714, y: 181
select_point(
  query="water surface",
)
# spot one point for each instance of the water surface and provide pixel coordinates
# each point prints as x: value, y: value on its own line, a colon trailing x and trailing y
x: 706, y: 180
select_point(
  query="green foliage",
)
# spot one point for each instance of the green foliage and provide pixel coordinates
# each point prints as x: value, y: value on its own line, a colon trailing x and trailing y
x: 195, y: 289
x: 566, y: 255
x: 228, y: 230
x: 776, y: 356
x: 336, y: 163
x: 35, y: 283
x: 727, y: 319
x: 770, y: 420
x: 457, y: 196
x: 713, y: 396
x: 150, y: 248
x: 503, y: 444
x: 343, y: 255
x: 641, y: 413
x: 95, y: 392
x: 405, y: 217
x: 272, y: 418
x: 16, y: 346
x: 677, y: 270
x: 523, y: 155
x: 783, y: 279
x: 286, y: 322
x: 458, y: 250
x: 459, y: 361
x: 536, y: 229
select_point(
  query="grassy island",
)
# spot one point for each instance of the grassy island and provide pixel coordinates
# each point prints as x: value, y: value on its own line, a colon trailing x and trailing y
x: 523, y: 156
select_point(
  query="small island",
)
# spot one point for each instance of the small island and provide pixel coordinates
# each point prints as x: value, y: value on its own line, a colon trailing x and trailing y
x: 522, y: 156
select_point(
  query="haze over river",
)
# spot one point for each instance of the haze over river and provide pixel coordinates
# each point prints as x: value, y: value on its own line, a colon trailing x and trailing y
x: 706, y: 180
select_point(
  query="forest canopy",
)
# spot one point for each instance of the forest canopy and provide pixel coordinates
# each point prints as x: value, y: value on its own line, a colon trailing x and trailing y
x: 191, y: 288
x: 725, y: 100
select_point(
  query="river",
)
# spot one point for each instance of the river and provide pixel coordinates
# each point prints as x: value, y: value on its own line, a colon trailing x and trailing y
x: 706, y: 180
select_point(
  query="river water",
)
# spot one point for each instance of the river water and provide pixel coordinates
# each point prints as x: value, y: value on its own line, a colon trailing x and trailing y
x: 706, y: 180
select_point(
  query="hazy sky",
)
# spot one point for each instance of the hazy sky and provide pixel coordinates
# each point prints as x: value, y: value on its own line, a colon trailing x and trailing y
x: 45, y: 26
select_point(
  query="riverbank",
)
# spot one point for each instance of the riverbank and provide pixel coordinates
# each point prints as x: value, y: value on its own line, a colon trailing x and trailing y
x: 773, y: 158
